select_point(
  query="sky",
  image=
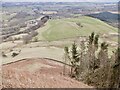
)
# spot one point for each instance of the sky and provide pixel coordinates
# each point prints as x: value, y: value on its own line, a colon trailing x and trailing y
x: 60, y: 0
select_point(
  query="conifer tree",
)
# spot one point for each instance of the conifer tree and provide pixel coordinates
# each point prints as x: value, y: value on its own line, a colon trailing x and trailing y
x: 92, y: 48
x: 74, y: 61
x: 115, y: 74
x: 103, y: 54
x: 96, y: 41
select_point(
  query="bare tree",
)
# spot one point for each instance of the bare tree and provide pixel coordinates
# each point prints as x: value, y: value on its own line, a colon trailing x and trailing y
x: 66, y: 57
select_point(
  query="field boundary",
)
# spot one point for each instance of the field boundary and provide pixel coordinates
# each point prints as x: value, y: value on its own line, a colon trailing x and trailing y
x: 37, y: 58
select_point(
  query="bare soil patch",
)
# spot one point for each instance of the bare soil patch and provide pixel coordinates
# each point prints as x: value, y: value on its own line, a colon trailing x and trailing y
x: 37, y: 73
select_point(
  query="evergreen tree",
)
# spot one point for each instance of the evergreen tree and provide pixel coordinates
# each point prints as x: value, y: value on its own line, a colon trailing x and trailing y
x: 74, y: 61
x: 115, y: 71
x: 96, y: 41
x: 92, y: 48
x: 91, y: 38
x: 103, y: 54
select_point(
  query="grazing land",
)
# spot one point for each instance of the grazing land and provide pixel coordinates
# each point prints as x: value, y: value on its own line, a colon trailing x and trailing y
x: 68, y: 28
x: 40, y: 43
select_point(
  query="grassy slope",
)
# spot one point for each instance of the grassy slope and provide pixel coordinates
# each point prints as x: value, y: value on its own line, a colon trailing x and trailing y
x: 65, y: 28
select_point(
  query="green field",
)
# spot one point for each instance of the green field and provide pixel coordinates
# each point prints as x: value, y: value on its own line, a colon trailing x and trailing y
x: 66, y: 28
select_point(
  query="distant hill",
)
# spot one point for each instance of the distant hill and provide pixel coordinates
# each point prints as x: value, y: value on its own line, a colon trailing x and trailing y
x: 108, y: 17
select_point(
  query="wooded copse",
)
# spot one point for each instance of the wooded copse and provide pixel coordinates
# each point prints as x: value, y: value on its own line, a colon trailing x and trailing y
x: 91, y: 64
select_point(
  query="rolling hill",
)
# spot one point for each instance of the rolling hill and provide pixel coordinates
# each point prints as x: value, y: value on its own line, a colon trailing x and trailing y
x: 72, y: 27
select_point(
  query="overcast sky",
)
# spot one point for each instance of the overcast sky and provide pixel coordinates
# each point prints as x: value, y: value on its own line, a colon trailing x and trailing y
x: 60, y: 0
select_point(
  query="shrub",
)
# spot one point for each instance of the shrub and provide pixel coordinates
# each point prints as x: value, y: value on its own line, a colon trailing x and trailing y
x: 3, y: 54
x: 35, y: 39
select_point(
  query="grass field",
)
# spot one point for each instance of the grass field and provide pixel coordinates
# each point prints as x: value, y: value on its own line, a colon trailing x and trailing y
x: 60, y: 29
x: 66, y: 28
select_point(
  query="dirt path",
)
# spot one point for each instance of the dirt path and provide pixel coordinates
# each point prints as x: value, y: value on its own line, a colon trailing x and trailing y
x: 42, y: 49
x: 37, y: 73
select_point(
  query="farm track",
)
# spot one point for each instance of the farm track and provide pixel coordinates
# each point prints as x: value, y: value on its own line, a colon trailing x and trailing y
x: 37, y: 58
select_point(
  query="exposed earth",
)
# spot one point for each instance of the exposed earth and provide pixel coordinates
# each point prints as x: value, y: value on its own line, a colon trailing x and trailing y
x: 38, y: 73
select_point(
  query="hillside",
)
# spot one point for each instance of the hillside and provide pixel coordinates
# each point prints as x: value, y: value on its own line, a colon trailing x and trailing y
x: 108, y: 17
x: 72, y: 27
x: 37, y: 73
